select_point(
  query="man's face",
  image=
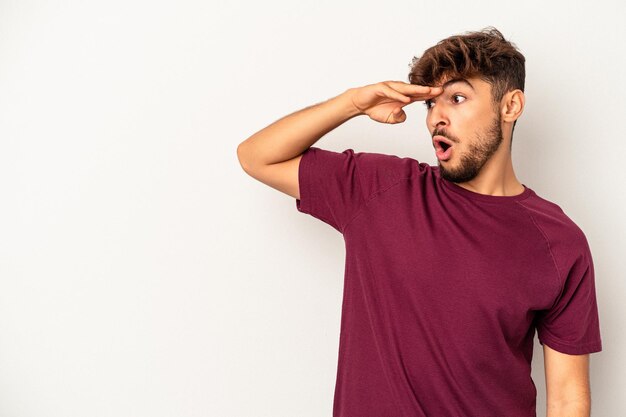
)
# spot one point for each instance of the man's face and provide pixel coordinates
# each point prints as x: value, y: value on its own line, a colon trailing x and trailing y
x: 464, y: 114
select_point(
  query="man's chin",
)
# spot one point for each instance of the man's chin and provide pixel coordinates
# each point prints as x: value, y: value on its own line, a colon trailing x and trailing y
x: 444, y: 173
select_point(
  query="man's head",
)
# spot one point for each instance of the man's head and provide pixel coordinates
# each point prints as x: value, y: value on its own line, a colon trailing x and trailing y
x: 483, y: 78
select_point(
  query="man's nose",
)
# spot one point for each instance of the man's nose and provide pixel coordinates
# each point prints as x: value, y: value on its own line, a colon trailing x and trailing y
x: 438, y: 116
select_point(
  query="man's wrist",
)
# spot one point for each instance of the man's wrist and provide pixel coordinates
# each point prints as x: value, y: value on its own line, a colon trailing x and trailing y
x: 347, y: 104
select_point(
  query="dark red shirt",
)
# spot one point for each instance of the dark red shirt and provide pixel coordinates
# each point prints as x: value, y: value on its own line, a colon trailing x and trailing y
x: 444, y: 288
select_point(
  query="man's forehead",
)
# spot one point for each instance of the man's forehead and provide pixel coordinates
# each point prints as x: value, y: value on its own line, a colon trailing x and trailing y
x: 458, y: 80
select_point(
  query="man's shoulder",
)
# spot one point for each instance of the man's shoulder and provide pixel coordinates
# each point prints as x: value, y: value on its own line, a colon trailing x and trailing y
x: 561, y: 232
x: 400, y: 166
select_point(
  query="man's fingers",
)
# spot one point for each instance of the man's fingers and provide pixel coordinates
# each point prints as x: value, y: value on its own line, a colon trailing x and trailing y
x: 392, y: 93
x: 413, y: 89
x: 408, y: 93
x: 430, y: 92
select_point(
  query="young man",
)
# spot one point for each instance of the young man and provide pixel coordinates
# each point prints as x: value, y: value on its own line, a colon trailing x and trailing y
x: 450, y: 269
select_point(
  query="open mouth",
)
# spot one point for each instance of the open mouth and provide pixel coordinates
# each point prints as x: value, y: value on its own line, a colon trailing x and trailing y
x: 443, y: 148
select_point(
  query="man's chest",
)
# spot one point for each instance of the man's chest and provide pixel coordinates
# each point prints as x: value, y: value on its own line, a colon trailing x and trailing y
x: 453, y: 268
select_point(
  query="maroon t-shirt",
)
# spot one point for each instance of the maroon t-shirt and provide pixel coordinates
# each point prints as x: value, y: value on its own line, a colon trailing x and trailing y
x: 444, y: 288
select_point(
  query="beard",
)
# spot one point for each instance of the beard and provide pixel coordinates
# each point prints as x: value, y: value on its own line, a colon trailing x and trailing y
x: 477, y: 155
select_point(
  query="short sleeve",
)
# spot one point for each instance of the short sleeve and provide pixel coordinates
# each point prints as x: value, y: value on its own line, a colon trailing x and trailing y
x: 572, y: 324
x: 334, y: 186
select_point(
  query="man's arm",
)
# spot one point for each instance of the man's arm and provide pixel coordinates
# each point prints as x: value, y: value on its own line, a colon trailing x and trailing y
x: 567, y: 384
x: 272, y: 155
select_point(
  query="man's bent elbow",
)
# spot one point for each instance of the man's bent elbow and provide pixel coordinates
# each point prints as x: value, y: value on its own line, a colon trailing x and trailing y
x: 242, y: 158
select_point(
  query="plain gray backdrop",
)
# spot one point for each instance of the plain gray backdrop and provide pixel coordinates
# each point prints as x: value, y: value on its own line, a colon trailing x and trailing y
x: 143, y: 273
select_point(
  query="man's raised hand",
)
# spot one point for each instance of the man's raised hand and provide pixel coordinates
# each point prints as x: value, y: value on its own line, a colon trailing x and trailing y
x: 383, y: 101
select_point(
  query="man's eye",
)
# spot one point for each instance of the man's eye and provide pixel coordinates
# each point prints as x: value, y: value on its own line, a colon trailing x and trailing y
x: 428, y: 103
x: 457, y: 95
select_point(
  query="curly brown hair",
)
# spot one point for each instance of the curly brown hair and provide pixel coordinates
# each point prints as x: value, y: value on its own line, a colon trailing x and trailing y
x: 484, y: 54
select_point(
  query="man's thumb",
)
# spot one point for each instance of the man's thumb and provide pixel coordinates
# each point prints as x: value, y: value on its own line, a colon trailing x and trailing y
x: 399, y: 115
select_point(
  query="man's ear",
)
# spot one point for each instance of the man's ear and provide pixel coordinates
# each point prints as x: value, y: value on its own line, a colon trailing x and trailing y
x: 512, y: 105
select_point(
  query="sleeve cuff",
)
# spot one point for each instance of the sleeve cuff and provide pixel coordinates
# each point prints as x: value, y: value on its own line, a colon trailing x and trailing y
x: 578, y: 349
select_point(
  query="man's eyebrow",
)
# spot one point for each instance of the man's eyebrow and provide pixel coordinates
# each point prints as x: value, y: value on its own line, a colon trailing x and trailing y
x: 458, y: 80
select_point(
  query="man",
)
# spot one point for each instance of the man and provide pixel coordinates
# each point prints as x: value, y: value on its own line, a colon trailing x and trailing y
x: 450, y: 269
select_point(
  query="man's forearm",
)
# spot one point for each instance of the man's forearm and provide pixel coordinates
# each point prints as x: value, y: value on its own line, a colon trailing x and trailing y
x: 570, y: 409
x: 291, y: 135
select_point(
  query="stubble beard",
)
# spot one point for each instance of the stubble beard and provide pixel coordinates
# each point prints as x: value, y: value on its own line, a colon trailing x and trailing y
x: 476, y: 156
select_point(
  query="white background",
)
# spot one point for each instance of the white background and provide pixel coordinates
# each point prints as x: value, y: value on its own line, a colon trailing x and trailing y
x: 143, y: 273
